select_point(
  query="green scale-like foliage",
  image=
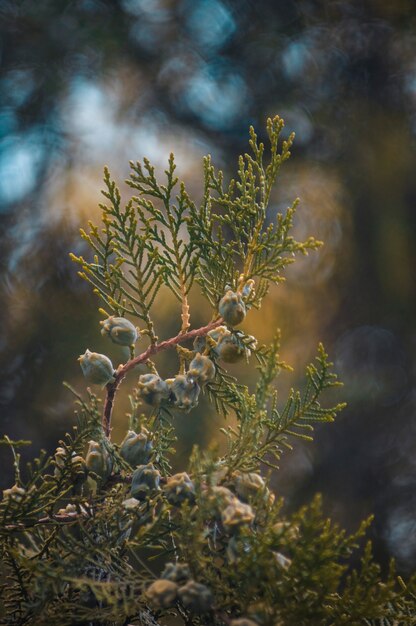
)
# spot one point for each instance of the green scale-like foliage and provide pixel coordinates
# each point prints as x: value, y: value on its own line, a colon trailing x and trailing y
x: 85, y: 533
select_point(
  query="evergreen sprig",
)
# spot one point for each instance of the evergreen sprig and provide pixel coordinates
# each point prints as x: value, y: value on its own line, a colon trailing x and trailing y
x: 262, y: 431
x: 104, y: 532
x: 165, y: 229
x: 231, y: 226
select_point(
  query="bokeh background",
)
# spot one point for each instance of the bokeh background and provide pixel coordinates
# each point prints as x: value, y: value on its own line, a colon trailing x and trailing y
x: 91, y: 82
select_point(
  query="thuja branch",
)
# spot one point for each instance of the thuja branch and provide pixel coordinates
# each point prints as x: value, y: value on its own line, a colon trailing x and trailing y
x: 112, y: 387
x: 88, y: 562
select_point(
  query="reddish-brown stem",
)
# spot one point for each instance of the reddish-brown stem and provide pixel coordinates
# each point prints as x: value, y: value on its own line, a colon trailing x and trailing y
x: 108, y: 404
x: 142, y: 358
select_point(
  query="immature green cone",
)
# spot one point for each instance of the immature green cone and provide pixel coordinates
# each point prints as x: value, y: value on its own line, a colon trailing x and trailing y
x: 201, y: 369
x: 176, y: 572
x: 232, y: 349
x: 236, y: 514
x: 135, y: 448
x: 97, y: 368
x: 219, y: 474
x: 232, y: 308
x: 196, y: 597
x: 98, y: 460
x: 247, y: 485
x: 250, y: 485
x: 179, y: 488
x: 218, y: 498
x: 120, y: 330
x: 200, y: 343
x: 145, y: 480
x: 218, y: 333
x: 162, y: 594
x: 152, y: 389
x: 185, y: 392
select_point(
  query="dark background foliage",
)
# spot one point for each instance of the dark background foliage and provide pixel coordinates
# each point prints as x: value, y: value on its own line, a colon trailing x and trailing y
x: 89, y: 82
